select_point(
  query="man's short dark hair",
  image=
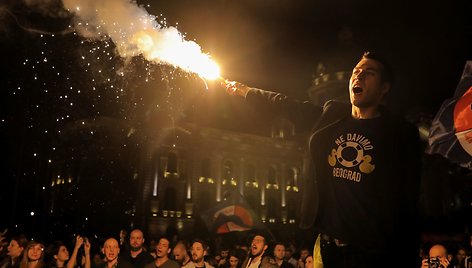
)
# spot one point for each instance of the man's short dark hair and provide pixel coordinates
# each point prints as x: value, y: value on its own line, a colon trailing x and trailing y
x: 386, y: 72
x: 166, y: 238
x: 201, y: 241
x: 276, y: 243
x: 260, y: 233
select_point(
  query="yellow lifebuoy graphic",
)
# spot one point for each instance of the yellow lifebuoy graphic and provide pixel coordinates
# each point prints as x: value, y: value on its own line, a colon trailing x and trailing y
x: 364, y: 161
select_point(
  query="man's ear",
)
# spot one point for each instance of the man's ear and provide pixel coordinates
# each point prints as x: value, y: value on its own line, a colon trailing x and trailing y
x: 169, y: 250
x: 55, y: 257
x: 265, y: 247
x: 385, y: 88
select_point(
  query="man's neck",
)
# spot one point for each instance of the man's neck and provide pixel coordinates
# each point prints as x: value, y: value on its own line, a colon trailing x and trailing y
x: 161, y: 260
x: 200, y: 263
x: 33, y: 263
x: 112, y: 262
x: 136, y: 253
x: 60, y: 264
x: 279, y: 261
x: 185, y: 260
x: 256, y: 258
x: 365, y: 113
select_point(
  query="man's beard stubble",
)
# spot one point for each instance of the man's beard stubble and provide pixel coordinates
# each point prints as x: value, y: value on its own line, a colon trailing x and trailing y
x: 135, y: 248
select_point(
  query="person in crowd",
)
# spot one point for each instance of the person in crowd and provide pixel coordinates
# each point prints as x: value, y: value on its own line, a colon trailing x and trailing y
x: 98, y: 259
x: 366, y: 167
x: 222, y: 257
x: 304, y: 252
x: 137, y: 255
x: 257, y: 256
x: 437, y: 257
x: 152, y: 248
x: 33, y: 255
x: 279, y: 255
x: 76, y: 259
x: 111, y: 250
x: 123, y: 236
x: 459, y: 259
x: 180, y: 253
x: 58, y: 255
x: 233, y: 260
x: 3, y: 245
x: 15, y: 249
x: 309, y: 261
x: 163, y: 250
x: 199, y: 250
x: 289, y: 257
x: 242, y: 250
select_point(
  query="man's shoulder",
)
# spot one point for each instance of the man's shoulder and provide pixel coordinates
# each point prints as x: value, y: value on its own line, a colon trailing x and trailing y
x: 189, y: 264
x: 337, y: 104
x: 171, y: 264
x: 207, y: 265
x: 145, y: 255
x: 123, y: 263
x: 285, y: 264
x: 150, y: 265
x: 336, y: 109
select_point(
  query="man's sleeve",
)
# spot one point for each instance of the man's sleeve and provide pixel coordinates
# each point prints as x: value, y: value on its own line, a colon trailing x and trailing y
x: 302, y: 113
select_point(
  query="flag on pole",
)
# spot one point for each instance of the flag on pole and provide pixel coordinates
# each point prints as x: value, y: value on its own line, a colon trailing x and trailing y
x: 233, y: 214
x: 451, y: 129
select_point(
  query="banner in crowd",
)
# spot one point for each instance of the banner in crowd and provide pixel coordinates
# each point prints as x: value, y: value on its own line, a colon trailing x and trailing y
x: 233, y: 214
x: 451, y: 129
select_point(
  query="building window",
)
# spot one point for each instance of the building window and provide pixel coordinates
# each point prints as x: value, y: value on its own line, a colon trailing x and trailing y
x: 206, y: 172
x: 292, y: 210
x: 206, y: 168
x: 282, y: 129
x: 172, y: 167
x: 228, y: 174
x: 292, y: 180
x: 272, y: 178
x: 272, y: 209
x: 250, y: 176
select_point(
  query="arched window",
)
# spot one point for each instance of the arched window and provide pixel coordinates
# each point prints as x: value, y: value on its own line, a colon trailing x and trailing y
x: 282, y: 129
x: 291, y: 209
x: 272, y: 208
x: 172, y: 163
x: 250, y: 176
x: 206, y: 168
x: 228, y: 174
x: 271, y: 176
x: 292, y: 179
x: 228, y: 170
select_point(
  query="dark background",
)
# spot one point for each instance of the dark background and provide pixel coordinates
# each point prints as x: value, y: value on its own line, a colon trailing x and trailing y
x: 64, y: 99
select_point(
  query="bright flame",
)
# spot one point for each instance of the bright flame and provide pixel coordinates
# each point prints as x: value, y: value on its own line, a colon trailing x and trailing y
x: 168, y: 46
x: 135, y: 32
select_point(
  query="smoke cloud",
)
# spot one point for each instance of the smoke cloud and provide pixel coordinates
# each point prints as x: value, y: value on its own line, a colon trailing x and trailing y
x: 135, y: 32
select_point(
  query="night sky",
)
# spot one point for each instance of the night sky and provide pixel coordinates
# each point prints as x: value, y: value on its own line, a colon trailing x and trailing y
x: 66, y: 99
x: 278, y: 44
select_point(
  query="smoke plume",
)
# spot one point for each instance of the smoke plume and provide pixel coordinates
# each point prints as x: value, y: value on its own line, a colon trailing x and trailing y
x: 135, y: 32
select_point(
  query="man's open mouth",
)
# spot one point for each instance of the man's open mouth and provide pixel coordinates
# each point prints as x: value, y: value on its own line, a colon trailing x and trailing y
x: 357, y: 90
